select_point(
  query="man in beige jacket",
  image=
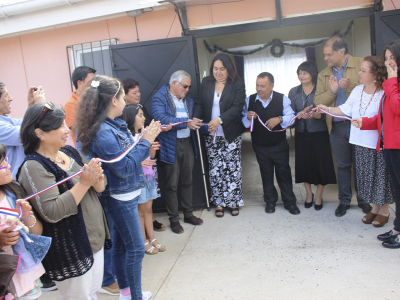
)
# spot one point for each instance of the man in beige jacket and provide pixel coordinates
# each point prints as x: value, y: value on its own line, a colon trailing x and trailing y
x: 334, y: 85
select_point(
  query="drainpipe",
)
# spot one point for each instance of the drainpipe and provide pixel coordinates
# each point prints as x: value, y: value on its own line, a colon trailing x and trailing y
x: 32, y: 5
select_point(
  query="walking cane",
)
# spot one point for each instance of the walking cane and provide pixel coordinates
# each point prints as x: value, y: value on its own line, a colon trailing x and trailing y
x: 202, y: 168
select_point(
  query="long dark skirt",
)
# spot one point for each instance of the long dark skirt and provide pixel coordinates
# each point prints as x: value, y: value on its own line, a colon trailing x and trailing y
x: 314, y: 163
x: 373, y: 180
x: 225, y: 171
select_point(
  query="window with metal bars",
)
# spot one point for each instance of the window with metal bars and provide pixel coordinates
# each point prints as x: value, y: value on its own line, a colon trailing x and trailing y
x: 92, y: 54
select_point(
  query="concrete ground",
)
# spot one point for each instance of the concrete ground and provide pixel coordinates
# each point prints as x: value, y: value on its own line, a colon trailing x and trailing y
x: 314, y: 255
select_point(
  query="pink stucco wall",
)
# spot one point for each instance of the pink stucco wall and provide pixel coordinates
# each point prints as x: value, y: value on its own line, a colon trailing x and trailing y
x: 39, y: 58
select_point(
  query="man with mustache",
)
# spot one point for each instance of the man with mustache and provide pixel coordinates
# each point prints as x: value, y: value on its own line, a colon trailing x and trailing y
x: 334, y: 86
x: 271, y: 148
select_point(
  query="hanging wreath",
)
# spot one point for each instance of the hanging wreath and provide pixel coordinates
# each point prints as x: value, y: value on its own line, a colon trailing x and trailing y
x: 277, y: 44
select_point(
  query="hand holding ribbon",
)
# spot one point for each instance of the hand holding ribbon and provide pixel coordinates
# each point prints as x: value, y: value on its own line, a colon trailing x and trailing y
x: 307, y: 113
x: 336, y: 111
x: 357, y: 122
x: 195, y: 124
x: 213, y: 125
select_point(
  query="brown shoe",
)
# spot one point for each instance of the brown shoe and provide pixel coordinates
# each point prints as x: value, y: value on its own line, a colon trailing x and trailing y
x: 176, y: 227
x: 381, y: 219
x: 369, y: 218
x: 193, y: 220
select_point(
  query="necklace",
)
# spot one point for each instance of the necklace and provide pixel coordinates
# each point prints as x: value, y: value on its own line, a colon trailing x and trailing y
x: 56, y: 161
x: 219, y: 93
x: 369, y: 102
x: 302, y: 97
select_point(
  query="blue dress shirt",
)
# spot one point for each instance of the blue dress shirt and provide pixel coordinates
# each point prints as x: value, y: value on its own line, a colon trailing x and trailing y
x: 341, y: 93
x: 10, y: 138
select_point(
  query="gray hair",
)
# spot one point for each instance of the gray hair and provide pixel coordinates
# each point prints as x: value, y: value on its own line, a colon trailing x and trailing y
x: 2, y: 86
x: 178, y: 76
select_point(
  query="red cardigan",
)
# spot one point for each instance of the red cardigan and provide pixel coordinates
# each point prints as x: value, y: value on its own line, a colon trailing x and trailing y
x: 391, y: 115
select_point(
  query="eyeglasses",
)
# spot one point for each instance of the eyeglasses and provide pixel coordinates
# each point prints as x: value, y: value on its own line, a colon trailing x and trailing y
x: 47, y: 106
x: 139, y: 106
x: 6, y: 161
x: 185, y: 86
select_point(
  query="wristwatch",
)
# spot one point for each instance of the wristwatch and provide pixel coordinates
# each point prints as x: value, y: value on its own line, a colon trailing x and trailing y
x: 280, y: 119
x: 220, y: 120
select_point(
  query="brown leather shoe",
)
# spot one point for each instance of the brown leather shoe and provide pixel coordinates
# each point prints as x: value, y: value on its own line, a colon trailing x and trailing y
x: 176, y: 227
x: 193, y: 220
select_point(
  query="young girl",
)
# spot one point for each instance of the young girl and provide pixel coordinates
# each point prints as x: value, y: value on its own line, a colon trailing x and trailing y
x: 106, y: 136
x: 26, y: 280
x: 134, y: 117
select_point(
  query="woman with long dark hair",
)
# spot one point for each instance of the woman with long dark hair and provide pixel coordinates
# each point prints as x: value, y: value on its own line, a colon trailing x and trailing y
x: 133, y: 115
x: 387, y: 122
x: 220, y: 103
x: 314, y: 164
x: 103, y: 134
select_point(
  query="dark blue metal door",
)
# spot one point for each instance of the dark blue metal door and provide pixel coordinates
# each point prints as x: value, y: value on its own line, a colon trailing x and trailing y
x: 387, y: 29
x: 151, y: 63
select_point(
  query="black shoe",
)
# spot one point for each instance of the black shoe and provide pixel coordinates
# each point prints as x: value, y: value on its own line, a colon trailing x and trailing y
x: 385, y: 237
x: 393, y: 243
x: 366, y: 208
x: 270, y: 208
x: 309, y: 204
x: 48, y: 286
x: 319, y: 207
x: 293, y: 209
x: 176, y: 227
x: 341, y: 210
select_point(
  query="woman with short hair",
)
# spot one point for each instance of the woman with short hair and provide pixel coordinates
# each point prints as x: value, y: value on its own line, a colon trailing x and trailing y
x: 314, y: 164
x: 74, y: 261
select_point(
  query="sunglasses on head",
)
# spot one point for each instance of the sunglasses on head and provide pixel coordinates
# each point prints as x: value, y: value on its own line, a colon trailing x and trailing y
x: 6, y: 161
x: 46, y: 107
x: 139, y: 106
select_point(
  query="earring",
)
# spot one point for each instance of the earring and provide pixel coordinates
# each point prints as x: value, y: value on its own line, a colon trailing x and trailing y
x: 374, y: 80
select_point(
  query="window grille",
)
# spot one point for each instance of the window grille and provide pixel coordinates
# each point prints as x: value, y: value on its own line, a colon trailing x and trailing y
x: 92, y: 54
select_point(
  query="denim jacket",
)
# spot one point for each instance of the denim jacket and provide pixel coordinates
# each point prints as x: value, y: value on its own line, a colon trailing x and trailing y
x: 112, y: 139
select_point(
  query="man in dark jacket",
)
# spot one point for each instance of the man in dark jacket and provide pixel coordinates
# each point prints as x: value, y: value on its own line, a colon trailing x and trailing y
x: 171, y: 104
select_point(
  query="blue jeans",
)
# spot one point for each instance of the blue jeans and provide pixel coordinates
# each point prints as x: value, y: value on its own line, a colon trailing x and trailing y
x: 128, y: 246
x: 108, y: 277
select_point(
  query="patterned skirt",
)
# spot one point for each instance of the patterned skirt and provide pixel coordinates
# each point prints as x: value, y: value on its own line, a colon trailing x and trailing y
x: 225, y: 171
x: 373, y: 180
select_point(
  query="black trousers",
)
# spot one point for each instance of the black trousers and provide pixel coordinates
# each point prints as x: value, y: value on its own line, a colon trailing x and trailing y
x: 392, y: 161
x: 179, y: 175
x: 275, y: 158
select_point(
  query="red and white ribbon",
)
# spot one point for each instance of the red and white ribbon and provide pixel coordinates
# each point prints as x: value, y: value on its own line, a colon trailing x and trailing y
x: 283, y: 129
x: 333, y: 115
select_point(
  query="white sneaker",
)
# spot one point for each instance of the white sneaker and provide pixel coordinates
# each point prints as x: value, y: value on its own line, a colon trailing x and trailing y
x: 125, y: 297
x: 146, y: 295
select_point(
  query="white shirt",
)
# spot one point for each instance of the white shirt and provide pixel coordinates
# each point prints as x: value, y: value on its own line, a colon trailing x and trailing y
x: 216, y: 112
x: 351, y: 108
x: 181, y: 113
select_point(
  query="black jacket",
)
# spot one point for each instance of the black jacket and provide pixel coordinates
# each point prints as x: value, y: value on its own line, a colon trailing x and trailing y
x: 231, y: 105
